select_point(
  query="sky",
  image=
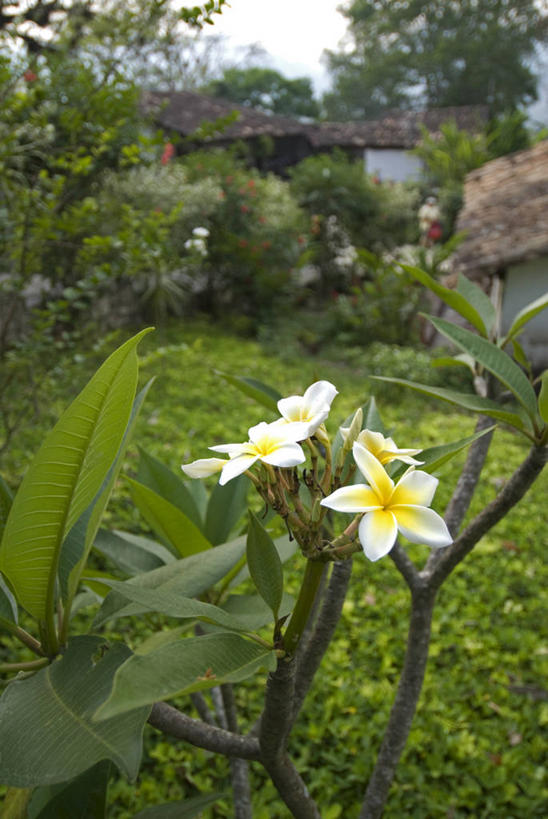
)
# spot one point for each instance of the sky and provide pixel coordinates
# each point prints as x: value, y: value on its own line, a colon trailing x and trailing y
x: 293, y: 32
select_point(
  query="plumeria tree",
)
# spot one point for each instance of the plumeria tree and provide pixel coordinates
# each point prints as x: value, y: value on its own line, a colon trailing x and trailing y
x: 84, y: 699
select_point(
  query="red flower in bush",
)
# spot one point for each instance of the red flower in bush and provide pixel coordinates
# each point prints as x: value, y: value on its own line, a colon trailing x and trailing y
x: 301, y: 240
x: 169, y: 153
x: 30, y: 76
x: 244, y: 208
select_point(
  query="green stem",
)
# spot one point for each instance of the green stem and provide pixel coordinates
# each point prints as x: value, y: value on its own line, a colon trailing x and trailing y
x: 22, y: 635
x: 307, y: 595
x: 32, y: 665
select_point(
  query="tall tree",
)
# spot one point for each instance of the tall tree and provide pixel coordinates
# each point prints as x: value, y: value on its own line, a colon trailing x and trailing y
x: 268, y: 90
x: 437, y: 53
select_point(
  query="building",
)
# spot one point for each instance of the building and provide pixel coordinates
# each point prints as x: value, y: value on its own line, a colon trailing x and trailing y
x: 505, y: 221
x: 275, y: 143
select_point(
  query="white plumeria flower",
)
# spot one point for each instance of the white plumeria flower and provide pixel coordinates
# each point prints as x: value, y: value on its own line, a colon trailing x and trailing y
x: 204, y: 467
x: 274, y: 444
x: 388, y: 508
x: 310, y: 409
x: 385, y: 450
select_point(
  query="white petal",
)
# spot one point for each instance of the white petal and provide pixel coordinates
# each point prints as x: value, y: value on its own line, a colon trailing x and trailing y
x: 373, y: 441
x: 319, y: 395
x: 288, y: 454
x: 356, y: 498
x: 373, y: 472
x: 291, y: 407
x: 415, y: 488
x: 204, y: 467
x: 406, y: 459
x: 235, y: 467
x: 421, y: 525
x: 232, y: 450
x: 258, y: 431
x: 377, y: 532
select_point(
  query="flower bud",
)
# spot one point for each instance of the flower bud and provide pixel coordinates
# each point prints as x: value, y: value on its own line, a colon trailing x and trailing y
x: 351, y: 433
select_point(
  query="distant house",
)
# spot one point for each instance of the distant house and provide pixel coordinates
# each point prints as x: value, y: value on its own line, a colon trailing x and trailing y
x: 505, y: 219
x: 276, y: 143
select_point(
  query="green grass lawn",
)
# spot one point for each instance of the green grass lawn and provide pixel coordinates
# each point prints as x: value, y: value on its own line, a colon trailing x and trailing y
x: 478, y: 743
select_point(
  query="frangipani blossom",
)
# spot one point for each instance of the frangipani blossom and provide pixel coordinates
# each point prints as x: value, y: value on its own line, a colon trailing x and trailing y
x: 204, y: 467
x: 274, y: 444
x: 310, y: 409
x: 388, y: 508
x: 384, y: 449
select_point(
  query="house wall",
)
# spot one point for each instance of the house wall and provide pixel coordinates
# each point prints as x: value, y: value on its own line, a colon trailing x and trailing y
x: 523, y: 284
x: 392, y: 164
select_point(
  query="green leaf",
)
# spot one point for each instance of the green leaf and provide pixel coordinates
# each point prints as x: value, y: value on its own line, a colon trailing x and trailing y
x: 461, y: 360
x: 436, y: 456
x: 262, y: 393
x: 479, y: 300
x: 189, y: 577
x: 543, y: 397
x: 285, y: 547
x: 65, y: 477
x: 183, y: 667
x: 184, y: 608
x: 452, y: 298
x: 265, y: 566
x: 186, y: 809
x: 468, y: 401
x: 519, y: 355
x: 6, y: 499
x: 525, y: 314
x: 15, y: 803
x: 79, y: 541
x: 226, y: 506
x: 172, y: 525
x: 83, y: 797
x: 254, y: 610
x: 47, y: 733
x: 493, y: 359
x: 131, y: 553
x: 156, y: 475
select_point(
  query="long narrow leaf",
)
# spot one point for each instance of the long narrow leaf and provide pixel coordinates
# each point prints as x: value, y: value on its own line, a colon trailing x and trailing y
x: 78, y: 542
x: 468, y: 401
x: 156, y: 475
x: 64, y: 478
x: 8, y: 604
x: 6, y: 500
x: 436, y: 456
x: 452, y: 298
x: 131, y: 553
x: 525, y: 314
x: 265, y: 566
x: 494, y: 360
x: 183, y: 667
x: 226, y: 506
x: 479, y: 300
x: 262, y: 393
x: 186, y: 809
x: 168, y: 521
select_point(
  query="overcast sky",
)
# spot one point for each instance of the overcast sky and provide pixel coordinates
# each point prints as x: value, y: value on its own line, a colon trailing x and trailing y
x: 294, y: 32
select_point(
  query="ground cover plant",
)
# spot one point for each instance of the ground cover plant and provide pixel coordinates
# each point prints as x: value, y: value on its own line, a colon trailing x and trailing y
x: 109, y: 685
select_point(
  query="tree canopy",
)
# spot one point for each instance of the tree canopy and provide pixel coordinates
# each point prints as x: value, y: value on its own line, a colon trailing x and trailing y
x: 268, y: 90
x: 436, y: 53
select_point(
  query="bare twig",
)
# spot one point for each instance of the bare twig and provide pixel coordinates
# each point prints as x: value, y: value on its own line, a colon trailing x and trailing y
x: 171, y: 721
x: 239, y: 768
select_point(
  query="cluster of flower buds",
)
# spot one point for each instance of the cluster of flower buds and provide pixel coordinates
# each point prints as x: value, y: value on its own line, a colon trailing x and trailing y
x: 381, y: 508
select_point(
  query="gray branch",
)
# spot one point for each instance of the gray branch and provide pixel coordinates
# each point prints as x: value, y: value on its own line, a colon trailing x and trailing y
x: 239, y: 768
x: 275, y: 725
x: 308, y: 660
x: 173, y: 722
x: 513, y: 491
x: 405, y: 704
x: 405, y: 566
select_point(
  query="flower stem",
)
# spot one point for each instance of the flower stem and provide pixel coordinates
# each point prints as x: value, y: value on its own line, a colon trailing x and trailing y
x: 307, y: 595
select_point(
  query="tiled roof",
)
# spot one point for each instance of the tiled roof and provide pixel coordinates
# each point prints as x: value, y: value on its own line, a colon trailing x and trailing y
x: 505, y: 212
x: 184, y: 111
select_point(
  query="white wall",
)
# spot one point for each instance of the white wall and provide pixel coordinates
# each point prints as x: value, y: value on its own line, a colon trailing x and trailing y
x: 392, y: 164
x: 523, y: 284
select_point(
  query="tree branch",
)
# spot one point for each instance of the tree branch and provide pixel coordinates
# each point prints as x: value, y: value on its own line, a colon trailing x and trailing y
x: 309, y: 659
x: 275, y: 725
x: 239, y: 768
x: 405, y: 703
x: 171, y: 721
x: 405, y: 566
x: 511, y: 493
